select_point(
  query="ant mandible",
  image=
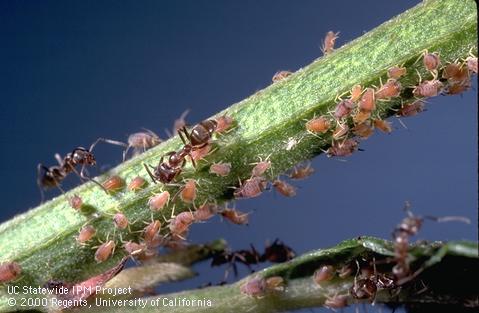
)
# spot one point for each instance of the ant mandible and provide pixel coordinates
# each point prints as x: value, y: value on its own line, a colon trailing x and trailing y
x: 48, y: 177
x: 197, y: 138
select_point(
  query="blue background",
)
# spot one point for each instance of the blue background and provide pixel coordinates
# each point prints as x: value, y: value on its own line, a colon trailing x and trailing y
x: 72, y: 71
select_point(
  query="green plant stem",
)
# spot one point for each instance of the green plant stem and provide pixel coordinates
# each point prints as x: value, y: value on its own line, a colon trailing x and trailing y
x: 302, y: 292
x: 268, y: 123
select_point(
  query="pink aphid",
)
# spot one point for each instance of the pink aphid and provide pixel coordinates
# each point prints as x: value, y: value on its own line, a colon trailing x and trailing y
x: 318, y: 125
x: 383, y: 125
x: 343, y: 108
x: 223, y: 123
x: 151, y: 230
x: 324, y: 273
x: 86, y: 233
x: 198, y: 154
x: 363, y: 130
x: 472, y: 64
x: 181, y: 223
x: 235, y: 216
x: 343, y: 148
x: 157, y: 202
x: 204, y: 212
x: 141, y: 142
x: 136, y: 183
x: 251, y: 188
x: 220, y: 169
x: 188, y: 193
x: 340, y: 131
x: 281, y: 75
x: 356, y: 92
x: 254, y: 287
x: 134, y: 248
x: 301, y: 172
x: 9, y: 271
x: 431, y: 61
x: 391, y: 89
x: 284, y: 188
x: 76, y: 202
x: 120, y: 221
x: 368, y: 101
x: 411, y: 109
x: 428, y: 88
x: 260, y: 168
x: 396, y: 72
x: 336, y: 302
x: 329, y: 41
x: 104, y: 251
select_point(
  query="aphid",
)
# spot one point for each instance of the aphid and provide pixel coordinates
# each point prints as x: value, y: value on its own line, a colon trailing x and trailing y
x: 345, y: 271
x: 120, y: 221
x: 274, y: 283
x: 471, y: 62
x: 277, y: 252
x: 254, y: 287
x: 301, y: 172
x: 104, y: 251
x: 180, y: 122
x: 86, y: 233
x: 396, y: 72
x: 201, y: 153
x: 363, y: 130
x: 344, y: 148
x: 329, y: 40
x: 411, y: 109
x: 181, y: 223
x: 76, y: 202
x: 260, y: 168
x: 204, y: 212
x: 455, y: 73
x: 113, y: 184
x: 141, y: 141
x: 188, y: 193
x: 428, y: 88
x: 324, y: 273
x: 223, y: 123
x: 235, y: 216
x: 9, y: 271
x: 284, y: 188
x: 356, y: 92
x: 391, y: 89
x: 368, y: 101
x: 343, y: 108
x: 251, y: 188
x: 336, y: 302
x: 431, y: 61
x: 136, y: 183
x: 133, y: 248
x: 457, y: 88
x: 382, y: 125
x: 151, y: 230
x: 361, y: 116
x: 157, y: 202
x: 318, y: 125
x: 48, y: 177
x: 220, y: 169
x: 340, y: 131
x: 281, y: 75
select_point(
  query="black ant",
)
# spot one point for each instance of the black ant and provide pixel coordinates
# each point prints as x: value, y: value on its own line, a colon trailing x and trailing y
x: 197, y: 138
x: 52, y: 176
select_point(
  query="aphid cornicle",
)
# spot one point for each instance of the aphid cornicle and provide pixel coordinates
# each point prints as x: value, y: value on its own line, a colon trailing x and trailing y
x: 284, y: 188
x: 157, y: 202
x: 188, y: 192
x: 136, y: 183
x: 251, y: 188
x: 279, y: 76
x: 104, y: 251
x: 9, y: 271
x: 86, y: 233
x: 220, y: 169
x: 318, y: 125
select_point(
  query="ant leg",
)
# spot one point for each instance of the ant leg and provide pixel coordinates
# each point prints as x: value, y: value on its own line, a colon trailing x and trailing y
x: 179, y: 131
x: 150, y: 173
x: 113, y: 142
x: 83, y: 176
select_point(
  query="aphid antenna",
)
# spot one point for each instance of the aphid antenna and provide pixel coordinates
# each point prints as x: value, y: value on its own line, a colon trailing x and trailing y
x: 113, y: 142
x: 423, y: 53
x: 443, y: 219
x: 402, y: 123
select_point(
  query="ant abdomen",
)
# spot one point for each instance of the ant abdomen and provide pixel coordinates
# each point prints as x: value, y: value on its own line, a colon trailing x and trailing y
x: 202, y: 133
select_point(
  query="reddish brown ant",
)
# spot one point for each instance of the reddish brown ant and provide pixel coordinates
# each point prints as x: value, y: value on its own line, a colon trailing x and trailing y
x: 49, y: 177
x: 277, y: 252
